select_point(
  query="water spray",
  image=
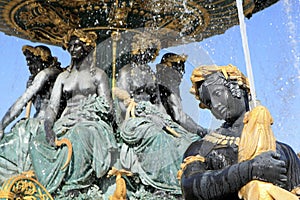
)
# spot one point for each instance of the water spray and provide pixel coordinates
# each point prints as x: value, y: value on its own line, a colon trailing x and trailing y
x: 246, y: 52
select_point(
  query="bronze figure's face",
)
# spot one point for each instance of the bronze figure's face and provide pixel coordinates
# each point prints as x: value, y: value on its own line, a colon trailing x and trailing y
x: 77, y: 49
x: 34, y: 63
x: 220, y: 100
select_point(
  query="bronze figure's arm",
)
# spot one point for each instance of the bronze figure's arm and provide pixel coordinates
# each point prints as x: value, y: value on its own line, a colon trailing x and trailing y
x: 53, y: 108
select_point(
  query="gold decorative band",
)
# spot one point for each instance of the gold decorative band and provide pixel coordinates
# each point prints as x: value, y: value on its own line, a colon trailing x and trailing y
x: 188, y: 160
x: 217, y: 138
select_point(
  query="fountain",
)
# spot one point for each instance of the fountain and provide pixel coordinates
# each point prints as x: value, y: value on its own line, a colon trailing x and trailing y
x: 159, y: 22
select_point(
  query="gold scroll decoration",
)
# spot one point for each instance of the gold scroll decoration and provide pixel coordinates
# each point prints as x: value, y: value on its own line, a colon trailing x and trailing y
x: 172, y: 22
x: 23, y: 187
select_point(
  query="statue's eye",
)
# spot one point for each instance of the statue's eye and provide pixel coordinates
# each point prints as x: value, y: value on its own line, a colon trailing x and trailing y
x: 217, y: 93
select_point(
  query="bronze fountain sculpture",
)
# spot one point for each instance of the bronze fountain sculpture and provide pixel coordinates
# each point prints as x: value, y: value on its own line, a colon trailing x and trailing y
x: 99, y: 102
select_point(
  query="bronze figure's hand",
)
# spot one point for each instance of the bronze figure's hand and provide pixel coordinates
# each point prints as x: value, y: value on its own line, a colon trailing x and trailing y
x: 268, y: 167
x: 50, y: 137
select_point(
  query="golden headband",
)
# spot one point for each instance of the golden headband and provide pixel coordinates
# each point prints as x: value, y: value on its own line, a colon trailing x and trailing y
x: 142, y: 42
x: 89, y: 38
x: 230, y: 72
x: 174, y: 59
x: 37, y: 51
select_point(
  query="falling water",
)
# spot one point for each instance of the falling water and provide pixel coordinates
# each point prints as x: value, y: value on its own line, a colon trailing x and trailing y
x: 246, y: 50
x: 292, y: 29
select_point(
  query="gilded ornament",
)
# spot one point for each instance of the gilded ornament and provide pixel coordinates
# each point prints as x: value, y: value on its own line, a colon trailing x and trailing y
x: 219, y: 139
x: 174, y: 59
x: 257, y: 137
x: 88, y: 38
x: 37, y: 51
x: 120, y: 191
x: 188, y: 160
x: 175, y: 23
x: 142, y: 42
x: 23, y: 187
x: 118, y: 15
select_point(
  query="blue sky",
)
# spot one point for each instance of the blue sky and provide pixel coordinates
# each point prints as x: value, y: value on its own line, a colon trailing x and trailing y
x: 274, y: 42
